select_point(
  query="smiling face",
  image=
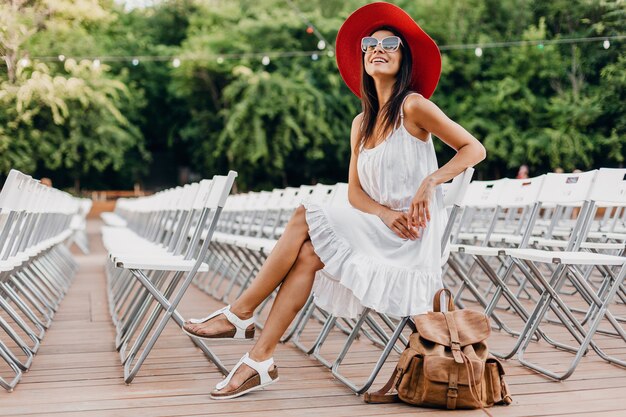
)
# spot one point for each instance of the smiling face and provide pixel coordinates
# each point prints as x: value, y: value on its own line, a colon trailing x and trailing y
x: 380, y: 63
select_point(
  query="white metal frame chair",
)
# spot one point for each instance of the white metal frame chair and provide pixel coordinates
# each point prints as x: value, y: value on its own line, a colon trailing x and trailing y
x: 167, y: 273
x: 453, y: 197
x: 36, y: 268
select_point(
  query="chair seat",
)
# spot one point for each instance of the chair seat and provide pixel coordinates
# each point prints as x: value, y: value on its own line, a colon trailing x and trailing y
x: 154, y: 264
x: 112, y: 219
x: 476, y: 250
x: 556, y: 243
x: 247, y: 242
x: 563, y: 257
x: 607, y: 235
x: 495, y: 237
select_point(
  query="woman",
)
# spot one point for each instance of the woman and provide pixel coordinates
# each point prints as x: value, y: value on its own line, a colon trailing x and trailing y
x: 385, y: 251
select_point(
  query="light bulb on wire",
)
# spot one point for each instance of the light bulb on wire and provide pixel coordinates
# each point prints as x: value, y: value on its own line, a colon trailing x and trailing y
x: 265, y: 60
x: 606, y: 44
x: 176, y: 62
x: 478, y: 51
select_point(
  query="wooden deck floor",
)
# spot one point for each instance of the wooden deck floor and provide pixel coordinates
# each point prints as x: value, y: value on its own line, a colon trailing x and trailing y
x: 77, y: 372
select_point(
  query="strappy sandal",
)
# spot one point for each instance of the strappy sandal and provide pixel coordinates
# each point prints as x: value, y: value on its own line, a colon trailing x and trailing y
x: 240, y: 332
x: 261, y: 379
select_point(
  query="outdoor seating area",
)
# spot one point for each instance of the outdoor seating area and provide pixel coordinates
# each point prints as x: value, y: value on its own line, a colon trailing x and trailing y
x: 543, y: 257
x: 312, y: 208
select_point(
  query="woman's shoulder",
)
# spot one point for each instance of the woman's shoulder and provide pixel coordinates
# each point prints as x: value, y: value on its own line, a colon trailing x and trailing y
x: 414, y: 99
x: 416, y: 106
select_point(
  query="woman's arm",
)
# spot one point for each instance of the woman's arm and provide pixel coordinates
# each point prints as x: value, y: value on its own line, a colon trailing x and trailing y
x: 469, y: 151
x: 396, y: 221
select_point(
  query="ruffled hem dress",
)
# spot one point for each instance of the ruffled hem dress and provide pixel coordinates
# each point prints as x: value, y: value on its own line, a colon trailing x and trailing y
x: 365, y: 263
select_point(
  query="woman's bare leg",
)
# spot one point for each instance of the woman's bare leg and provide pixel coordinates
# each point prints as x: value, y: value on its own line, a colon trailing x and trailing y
x: 291, y: 297
x: 272, y: 273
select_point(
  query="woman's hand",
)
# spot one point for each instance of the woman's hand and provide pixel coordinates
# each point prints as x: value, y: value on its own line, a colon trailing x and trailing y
x: 397, y: 221
x: 419, y: 212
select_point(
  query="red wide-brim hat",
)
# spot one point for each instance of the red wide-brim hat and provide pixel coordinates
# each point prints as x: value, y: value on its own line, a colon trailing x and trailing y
x: 425, y: 53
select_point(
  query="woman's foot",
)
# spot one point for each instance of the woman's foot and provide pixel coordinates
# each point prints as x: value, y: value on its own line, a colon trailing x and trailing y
x: 222, y: 324
x: 247, y: 376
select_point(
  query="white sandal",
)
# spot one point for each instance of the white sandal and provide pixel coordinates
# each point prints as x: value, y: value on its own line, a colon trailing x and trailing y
x: 261, y: 379
x: 241, y: 331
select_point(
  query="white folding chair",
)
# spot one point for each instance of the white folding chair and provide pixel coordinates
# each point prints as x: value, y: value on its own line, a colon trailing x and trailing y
x: 36, y: 268
x: 168, y: 270
x: 608, y: 189
x: 454, y: 195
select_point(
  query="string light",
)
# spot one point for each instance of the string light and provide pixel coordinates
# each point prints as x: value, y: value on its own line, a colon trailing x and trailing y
x: 314, y: 57
x: 265, y: 60
x: 527, y: 42
x: 24, y: 62
x: 221, y: 58
x: 135, y: 62
x: 96, y: 63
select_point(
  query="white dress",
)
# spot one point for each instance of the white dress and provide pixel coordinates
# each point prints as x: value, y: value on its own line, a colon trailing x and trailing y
x: 365, y: 263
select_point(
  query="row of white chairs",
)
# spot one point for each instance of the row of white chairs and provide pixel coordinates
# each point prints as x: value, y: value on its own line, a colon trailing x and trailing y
x: 156, y: 245
x: 507, y: 224
x: 37, y: 225
x: 505, y: 238
x: 548, y: 246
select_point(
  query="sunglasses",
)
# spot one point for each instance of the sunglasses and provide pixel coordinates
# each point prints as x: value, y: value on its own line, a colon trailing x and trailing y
x: 389, y: 44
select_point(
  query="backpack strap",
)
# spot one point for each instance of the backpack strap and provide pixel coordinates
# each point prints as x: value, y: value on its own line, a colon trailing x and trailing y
x: 437, y: 300
x: 455, y: 342
x: 381, y: 396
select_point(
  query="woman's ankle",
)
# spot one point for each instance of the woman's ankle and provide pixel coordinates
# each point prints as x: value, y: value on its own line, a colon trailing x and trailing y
x: 241, y: 311
x: 260, y: 354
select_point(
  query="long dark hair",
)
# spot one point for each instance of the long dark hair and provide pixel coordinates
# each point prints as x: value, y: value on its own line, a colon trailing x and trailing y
x: 369, y: 99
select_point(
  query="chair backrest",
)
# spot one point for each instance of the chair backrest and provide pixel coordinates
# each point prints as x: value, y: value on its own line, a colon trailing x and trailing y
x: 521, y: 192
x: 566, y: 189
x: 320, y: 194
x: 340, y: 196
x: 484, y: 193
x: 455, y: 192
x: 220, y: 190
x: 609, y: 187
x: 453, y: 199
x: 12, y: 190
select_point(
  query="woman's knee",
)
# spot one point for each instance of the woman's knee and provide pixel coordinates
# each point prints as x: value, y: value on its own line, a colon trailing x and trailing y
x: 307, y: 257
x: 298, y: 221
x: 299, y: 214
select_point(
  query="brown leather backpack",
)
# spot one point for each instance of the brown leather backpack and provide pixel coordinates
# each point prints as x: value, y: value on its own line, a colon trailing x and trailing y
x: 447, y: 364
